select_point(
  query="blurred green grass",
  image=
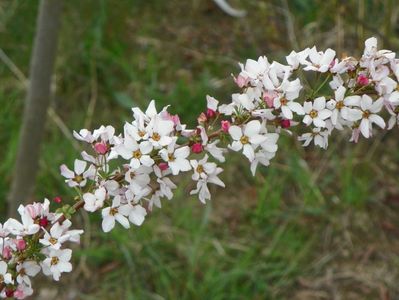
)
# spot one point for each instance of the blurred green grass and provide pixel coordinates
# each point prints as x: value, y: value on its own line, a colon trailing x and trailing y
x: 314, y: 225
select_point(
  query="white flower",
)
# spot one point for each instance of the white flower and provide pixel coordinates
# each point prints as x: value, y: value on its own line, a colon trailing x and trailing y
x: 205, y: 172
x: 296, y: 58
x: 137, y: 215
x: 25, y: 270
x: 138, y: 176
x: 212, y: 103
x: 215, y: 151
x: 27, y: 227
x: 4, y: 276
x: 288, y: 107
x: 79, y: 176
x: 55, y: 238
x: 176, y: 158
x: 316, y: 112
x: 341, y: 108
x: 320, y: 61
x: 254, y: 70
x: 247, y: 139
x: 96, y: 201
x: 116, y: 212
x: 159, y: 131
x: 319, y: 136
x: 370, y: 115
x: 137, y: 153
x: 57, y: 262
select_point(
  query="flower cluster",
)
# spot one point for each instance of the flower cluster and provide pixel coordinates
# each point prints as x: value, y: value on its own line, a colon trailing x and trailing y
x: 125, y: 175
x: 34, y: 244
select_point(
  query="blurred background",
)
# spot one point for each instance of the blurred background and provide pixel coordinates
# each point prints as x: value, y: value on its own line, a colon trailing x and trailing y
x: 314, y: 225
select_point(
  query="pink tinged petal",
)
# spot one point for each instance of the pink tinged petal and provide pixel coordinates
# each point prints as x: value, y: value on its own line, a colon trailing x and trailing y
x: 183, y: 152
x: 216, y: 180
x: 324, y: 114
x: 340, y: 93
x: 327, y: 57
x: 319, y: 103
x: 3, y: 267
x: 147, y: 161
x: 377, y: 105
x: 80, y: 166
x: 296, y: 107
x: 319, y: 122
x: 307, y: 120
x: 64, y: 266
x: 286, y: 112
x: 66, y: 172
x: 145, y: 147
x: 125, y: 152
x: 235, y: 132
x: 352, y: 101
x: 108, y: 223
x: 252, y: 128
x: 307, y: 106
x: 122, y: 220
x: 249, y: 152
x: 65, y: 255
x: 365, y: 127
x: 376, y: 119
x: 314, y: 56
x: 137, y: 215
x: 236, y: 146
x: 366, y: 102
x: 257, y: 139
x: 165, y: 140
x: 184, y: 165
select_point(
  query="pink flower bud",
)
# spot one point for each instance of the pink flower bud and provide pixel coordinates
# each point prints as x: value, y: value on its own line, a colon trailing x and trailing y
x: 225, y: 125
x: 362, y: 80
x: 7, y: 252
x: 202, y: 118
x: 210, y: 113
x: 269, y: 98
x: 197, y: 148
x: 163, y: 166
x: 57, y: 199
x: 101, y: 148
x: 240, y: 81
x: 21, y: 244
x: 9, y: 292
x: 285, y: 123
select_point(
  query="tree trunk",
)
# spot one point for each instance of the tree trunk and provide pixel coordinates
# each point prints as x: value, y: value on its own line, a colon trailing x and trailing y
x: 36, y: 105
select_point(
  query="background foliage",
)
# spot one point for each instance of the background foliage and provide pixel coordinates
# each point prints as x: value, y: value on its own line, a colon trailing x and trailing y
x: 314, y: 225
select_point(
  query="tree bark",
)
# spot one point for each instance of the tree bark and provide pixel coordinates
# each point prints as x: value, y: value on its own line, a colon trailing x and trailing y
x: 36, y: 105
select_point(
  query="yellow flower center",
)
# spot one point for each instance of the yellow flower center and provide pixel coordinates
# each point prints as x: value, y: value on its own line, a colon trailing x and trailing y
x: 156, y: 137
x: 113, y: 211
x: 171, y: 157
x: 53, y: 241
x: 78, y: 178
x: 137, y: 154
x: 283, y: 101
x: 339, y: 105
x: 244, y: 140
x: 313, y: 114
x: 54, y: 260
x: 200, y: 169
x: 366, y: 114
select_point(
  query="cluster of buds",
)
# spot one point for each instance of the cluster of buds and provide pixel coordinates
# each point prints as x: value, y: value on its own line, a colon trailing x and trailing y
x: 126, y: 175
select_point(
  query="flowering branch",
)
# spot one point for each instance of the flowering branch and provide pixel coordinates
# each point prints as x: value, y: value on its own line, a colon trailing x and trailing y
x: 126, y: 175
